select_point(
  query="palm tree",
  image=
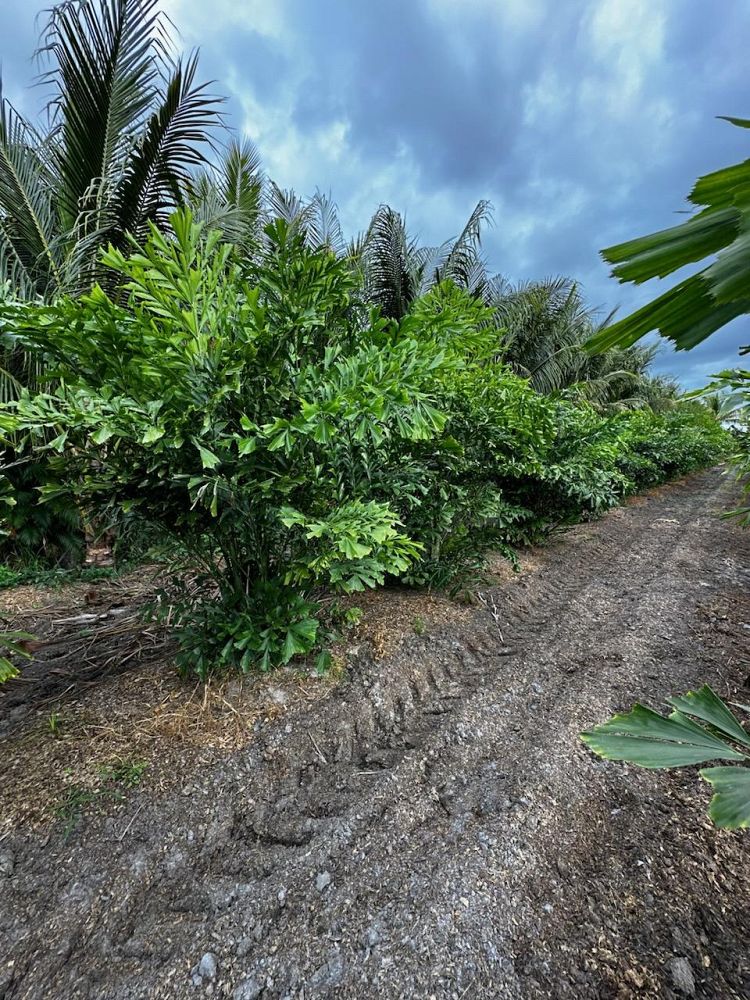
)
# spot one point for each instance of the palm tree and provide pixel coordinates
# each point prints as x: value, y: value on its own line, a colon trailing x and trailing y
x: 394, y: 268
x: 545, y: 325
x: 229, y: 196
x: 397, y: 270
x: 620, y: 379
x: 127, y: 124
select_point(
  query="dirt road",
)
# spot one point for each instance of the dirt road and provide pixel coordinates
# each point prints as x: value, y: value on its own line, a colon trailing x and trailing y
x: 434, y: 827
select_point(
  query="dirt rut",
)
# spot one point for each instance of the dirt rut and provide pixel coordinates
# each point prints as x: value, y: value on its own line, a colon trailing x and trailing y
x: 435, y: 827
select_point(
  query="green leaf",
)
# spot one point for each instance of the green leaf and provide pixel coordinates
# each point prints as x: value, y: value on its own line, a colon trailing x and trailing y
x: 730, y: 805
x: 662, y: 253
x: 739, y: 122
x: 706, y: 705
x: 209, y: 460
x: 247, y: 445
x: 102, y: 435
x: 58, y: 443
x: 290, y: 517
x: 7, y: 670
x: 646, y: 738
x: 154, y: 434
x: 323, y: 662
x: 300, y: 638
x: 686, y: 315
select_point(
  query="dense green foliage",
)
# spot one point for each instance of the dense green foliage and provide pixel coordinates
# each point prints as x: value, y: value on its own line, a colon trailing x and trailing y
x: 126, y: 125
x: 290, y: 439
x: 292, y: 412
x: 729, y: 392
x: 123, y: 145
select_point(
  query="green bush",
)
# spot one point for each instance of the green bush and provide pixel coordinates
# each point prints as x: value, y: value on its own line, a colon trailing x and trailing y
x: 468, y: 494
x: 656, y: 447
x: 244, y: 415
x: 47, y: 534
x: 289, y: 441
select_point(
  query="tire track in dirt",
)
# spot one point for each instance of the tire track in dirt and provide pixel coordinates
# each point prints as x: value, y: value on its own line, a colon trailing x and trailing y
x: 427, y: 788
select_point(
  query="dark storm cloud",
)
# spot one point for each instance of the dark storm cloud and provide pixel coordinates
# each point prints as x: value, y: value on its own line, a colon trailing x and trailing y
x: 585, y: 123
x: 19, y: 35
x: 391, y: 71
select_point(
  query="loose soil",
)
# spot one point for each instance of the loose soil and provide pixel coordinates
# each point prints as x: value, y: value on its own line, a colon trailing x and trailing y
x: 423, y: 823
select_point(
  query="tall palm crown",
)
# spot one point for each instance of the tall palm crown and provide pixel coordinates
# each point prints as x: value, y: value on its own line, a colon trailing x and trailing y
x: 127, y: 123
x: 547, y: 324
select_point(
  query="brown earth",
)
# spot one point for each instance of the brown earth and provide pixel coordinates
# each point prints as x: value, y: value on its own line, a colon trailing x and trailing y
x: 426, y: 825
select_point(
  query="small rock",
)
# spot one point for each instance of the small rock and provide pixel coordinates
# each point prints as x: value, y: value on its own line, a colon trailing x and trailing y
x: 548, y: 907
x: 208, y: 966
x: 278, y: 696
x: 7, y: 863
x: 244, y: 946
x: 323, y: 881
x: 249, y: 990
x: 373, y: 936
x: 682, y: 976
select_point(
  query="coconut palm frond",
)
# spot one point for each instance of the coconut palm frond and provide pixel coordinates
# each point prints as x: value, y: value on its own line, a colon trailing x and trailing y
x: 388, y: 253
x: 28, y: 221
x: 428, y: 264
x: 286, y: 205
x: 105, y: 77
x: 323, y: 226
x: 464, y: 263
x: 175, y: 136
x: 128, y: 124
x: 228, y: 196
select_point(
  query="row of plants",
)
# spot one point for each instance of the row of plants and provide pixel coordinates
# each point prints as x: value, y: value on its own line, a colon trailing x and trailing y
x: 232, y: 389
x: 130, y: 134
x: 288, y: 439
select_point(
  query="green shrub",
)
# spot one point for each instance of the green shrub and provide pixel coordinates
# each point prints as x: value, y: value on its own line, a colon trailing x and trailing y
x: 466, y: 494
x: 657, y: 447
x: 245, y: 416
x: 288, y: 441
x: 48, y: 534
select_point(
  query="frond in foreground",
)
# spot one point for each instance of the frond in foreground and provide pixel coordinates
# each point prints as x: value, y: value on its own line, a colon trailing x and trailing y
x: 650, y: 740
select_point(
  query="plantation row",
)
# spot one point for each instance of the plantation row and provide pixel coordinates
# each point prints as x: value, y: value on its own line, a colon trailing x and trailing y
x: 289, y: 440
x: 200, y: 359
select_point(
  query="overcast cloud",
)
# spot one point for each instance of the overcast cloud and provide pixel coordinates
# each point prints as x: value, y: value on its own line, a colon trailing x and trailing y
x: 584, y: 123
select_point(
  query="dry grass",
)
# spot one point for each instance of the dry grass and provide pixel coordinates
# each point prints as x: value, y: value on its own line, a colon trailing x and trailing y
x: 103, y: 692
x: 148, y: 718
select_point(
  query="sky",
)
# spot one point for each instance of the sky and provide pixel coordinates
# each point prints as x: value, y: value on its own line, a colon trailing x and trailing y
x: 585, y: 123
